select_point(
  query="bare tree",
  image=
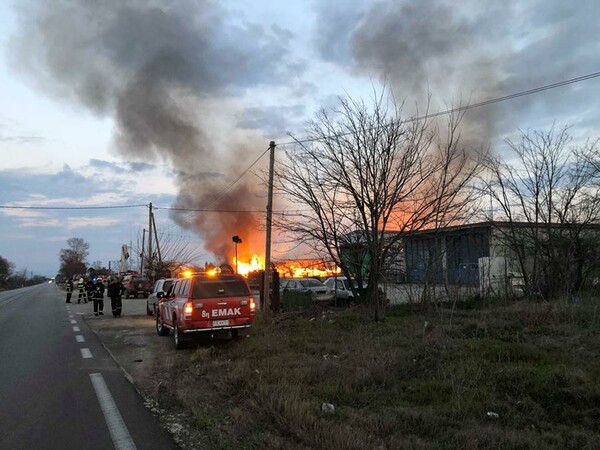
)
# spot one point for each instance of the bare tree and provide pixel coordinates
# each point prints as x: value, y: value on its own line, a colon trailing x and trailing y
x: 551, y: 202
x: 365, y: 175
x: 175, y: 252
x: 73, y: 260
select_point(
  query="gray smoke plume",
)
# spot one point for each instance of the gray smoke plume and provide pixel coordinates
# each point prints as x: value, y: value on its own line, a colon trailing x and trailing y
x: 469, y: 51
x: 416, y: 48
x: 155, y: 66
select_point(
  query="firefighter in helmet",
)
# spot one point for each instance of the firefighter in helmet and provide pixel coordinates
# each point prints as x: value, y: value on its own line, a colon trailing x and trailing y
x: 82, y: 291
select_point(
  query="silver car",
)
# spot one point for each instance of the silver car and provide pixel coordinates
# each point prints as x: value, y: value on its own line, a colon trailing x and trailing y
x: 308, y: 285
x: 160, y: 288
x: 341, y: 287
x: 343, y: 292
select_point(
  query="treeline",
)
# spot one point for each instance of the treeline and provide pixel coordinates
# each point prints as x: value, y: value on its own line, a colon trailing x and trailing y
x: 11, y: 279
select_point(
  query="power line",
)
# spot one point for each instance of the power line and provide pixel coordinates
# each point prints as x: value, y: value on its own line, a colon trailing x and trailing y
x: 474, y: 105
x: 170, y: 208
x: 71, y: 207
x: 209, y: 210
x: 224, y: 191
x: 237, y: 179
x: 413, y: 119
x: 242, y: 174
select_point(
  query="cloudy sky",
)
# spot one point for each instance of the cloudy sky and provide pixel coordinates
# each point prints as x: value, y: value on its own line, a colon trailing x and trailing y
x: 114, y: 103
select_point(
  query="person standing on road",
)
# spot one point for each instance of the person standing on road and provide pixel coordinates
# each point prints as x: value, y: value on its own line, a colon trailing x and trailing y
x: 98, y: 297
x: 82, y: 291
x: 115, y: 291
x: 69, y: 287
x: 89, y: 288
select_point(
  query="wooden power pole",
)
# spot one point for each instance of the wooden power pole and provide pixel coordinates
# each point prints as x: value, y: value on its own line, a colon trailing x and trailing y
x: 267, y: 278
x: 149, y: 257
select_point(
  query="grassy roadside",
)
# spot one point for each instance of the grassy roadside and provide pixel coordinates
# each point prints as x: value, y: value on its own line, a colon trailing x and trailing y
x: 481, y: 375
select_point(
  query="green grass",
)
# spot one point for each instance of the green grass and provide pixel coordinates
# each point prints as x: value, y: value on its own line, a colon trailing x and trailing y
x: 416, y: 380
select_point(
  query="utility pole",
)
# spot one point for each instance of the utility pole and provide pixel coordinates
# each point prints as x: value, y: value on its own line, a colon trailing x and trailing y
x: 156, y: 239
x: 267, y: 278
x: 149, y: 257
x: 142, y: 254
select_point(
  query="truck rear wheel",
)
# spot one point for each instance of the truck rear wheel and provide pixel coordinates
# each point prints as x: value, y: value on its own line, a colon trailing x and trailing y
x: 177, y: 336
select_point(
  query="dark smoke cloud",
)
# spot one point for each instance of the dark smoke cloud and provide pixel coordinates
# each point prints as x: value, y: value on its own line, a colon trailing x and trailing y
x: 154, y: 66
x: 272, y: 120
x: 559, y: 46
x: 414, y: 47
x: 469, y: 50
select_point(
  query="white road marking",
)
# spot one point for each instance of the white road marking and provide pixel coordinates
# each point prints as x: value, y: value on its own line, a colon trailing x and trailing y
x: 118, y: 431
x: 80, y: 338
x: 85, y: 353
x: 76, y: 329
x: 73, y: 321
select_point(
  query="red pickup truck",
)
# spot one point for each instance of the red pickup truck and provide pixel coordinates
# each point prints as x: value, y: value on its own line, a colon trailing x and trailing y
x: 207, y: 302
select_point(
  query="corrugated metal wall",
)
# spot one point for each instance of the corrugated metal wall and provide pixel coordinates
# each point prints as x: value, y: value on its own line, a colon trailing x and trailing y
x: 458, y: 250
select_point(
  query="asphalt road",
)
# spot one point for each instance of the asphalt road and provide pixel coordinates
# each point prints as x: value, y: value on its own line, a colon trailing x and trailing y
x: 59, y: 388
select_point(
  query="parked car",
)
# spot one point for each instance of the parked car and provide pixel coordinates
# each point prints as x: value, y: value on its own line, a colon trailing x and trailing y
x: 158, y: 291
x: 135, y: 285
x: 205, y: 303
x: 343, y: 292
x: 318, y: 290
x: 341, y: 288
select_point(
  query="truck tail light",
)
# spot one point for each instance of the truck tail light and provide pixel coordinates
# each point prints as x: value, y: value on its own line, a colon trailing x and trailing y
x: 188, y: 308
x: 252, y: 305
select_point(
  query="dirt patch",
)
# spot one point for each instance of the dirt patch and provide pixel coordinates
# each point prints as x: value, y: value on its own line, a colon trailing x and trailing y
x: 133, y: 342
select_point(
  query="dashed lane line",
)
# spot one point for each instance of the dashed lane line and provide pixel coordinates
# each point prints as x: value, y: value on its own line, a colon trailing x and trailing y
x: 80, y: 338
x: 76, y: 329
x: 85, y: 353
x: 118, y: 431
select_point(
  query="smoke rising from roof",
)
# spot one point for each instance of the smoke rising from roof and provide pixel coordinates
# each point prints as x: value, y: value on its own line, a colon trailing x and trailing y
x: 160, y: 68
x: 154, y: 66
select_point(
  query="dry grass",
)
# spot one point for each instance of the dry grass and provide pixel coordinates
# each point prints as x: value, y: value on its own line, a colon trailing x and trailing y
x: 480, y: 375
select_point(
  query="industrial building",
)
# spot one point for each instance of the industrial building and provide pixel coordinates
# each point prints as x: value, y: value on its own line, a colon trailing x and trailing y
x: 492, y: 255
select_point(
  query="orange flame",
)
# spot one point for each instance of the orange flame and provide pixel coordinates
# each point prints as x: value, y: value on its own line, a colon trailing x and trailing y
x: 244, y: 268
x: 307, y: 268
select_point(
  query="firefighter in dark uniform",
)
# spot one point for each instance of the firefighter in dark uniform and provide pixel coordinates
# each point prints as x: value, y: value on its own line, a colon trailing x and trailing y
x: 82, y: 291
x: 89, y: 288
x: 115, y: 291
x: 98, y: 297
x: 69, y: 287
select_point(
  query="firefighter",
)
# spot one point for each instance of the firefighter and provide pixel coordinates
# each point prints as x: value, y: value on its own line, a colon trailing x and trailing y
x: 69, y: 290
x: 115, y: 291
x: 82, y: 291
x: 89, y: 288
x: 98, y: 297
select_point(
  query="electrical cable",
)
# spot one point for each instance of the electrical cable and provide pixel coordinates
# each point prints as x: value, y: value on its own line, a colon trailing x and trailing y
x: 413, y: 119
x: 71, y: 207
x: 301, y: 141
x: 471, y: 106
x: 222, y: 193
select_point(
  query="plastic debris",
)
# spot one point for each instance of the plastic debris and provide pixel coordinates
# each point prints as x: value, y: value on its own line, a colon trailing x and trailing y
x: 327, y: 407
